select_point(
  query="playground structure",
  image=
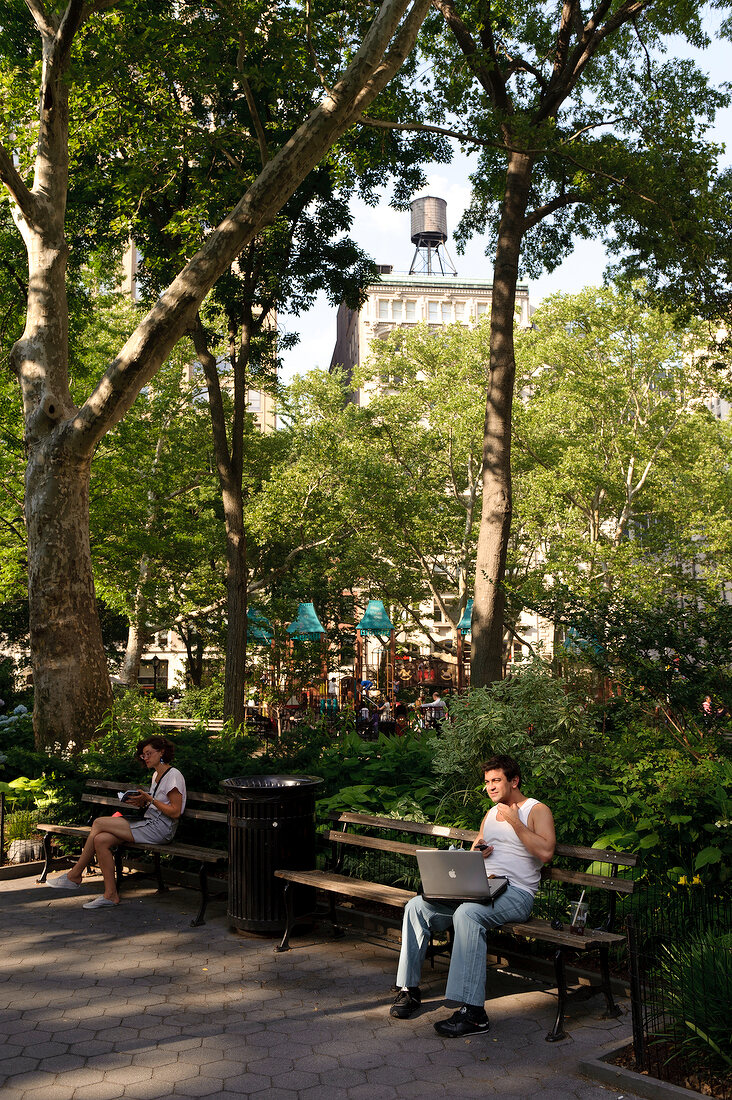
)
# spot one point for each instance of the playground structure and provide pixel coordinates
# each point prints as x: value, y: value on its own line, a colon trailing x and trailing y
x: 383, y: 676
x: 375, y: 623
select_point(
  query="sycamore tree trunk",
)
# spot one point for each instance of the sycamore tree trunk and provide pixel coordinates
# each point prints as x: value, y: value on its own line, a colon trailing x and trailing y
x: 70, y: 672
x: 70, y: 676
x: 486, y: 662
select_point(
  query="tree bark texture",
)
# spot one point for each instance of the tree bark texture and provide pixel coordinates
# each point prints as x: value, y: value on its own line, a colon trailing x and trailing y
x: 70, y: 677
x: 497, y: 504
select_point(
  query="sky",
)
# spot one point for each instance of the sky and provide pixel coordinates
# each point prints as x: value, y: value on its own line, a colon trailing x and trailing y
x: 385, y: 234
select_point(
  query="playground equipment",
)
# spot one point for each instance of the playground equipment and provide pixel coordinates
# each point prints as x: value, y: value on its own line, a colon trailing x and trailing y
x: 463, y: 629
x: 376, y: 623
x: 307, y: 627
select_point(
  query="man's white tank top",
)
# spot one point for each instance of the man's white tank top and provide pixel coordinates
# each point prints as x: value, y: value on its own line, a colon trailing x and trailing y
x: 509, y: 857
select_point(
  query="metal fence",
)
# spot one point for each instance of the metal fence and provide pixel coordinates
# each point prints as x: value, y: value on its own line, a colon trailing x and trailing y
x: 680, y: 955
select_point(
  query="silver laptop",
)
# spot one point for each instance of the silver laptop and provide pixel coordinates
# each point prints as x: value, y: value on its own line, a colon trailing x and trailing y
x: 456, y: 875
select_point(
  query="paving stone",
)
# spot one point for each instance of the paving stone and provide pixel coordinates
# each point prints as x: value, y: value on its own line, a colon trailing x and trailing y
x: 91, y: 1048
x: 103, y: 1090
x: 125, y: 1075
x: 17, y: 1064
x: 246, y: 1084
x: 198, y: 1056
x: 197, y: 1086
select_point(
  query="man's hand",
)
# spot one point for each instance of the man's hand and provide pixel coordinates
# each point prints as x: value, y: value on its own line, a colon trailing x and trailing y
x: 508, y: 813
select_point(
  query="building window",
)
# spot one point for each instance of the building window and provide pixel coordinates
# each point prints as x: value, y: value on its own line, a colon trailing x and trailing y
x: 436, y: 612
x: 411, y: 311
x: 383, y: 309
x: 433, y: 313
x: 482, y: 310
x: 396, y: 311
x: 460, y: 312
x: 255, y: 401
x: 446, y: 313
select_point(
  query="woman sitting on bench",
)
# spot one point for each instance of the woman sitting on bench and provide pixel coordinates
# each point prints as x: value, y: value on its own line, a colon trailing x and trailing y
x: 164, y: 802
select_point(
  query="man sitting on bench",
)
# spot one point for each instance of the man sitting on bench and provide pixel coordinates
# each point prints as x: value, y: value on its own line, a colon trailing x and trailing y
x: 516, y: 838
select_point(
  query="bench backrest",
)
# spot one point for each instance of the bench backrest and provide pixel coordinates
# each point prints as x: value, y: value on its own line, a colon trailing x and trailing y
x: 96, y: 795
x: 607, y: 877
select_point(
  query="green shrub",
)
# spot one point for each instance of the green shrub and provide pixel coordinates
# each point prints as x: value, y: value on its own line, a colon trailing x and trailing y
x: 697, y: 992
x: 529, y: 716
x: 20, y: 825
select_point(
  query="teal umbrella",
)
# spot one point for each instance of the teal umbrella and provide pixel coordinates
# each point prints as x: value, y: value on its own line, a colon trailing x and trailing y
x: 307, y: 627
x: 259, y: 628
x: 375, y: 620
x: 464, y: 624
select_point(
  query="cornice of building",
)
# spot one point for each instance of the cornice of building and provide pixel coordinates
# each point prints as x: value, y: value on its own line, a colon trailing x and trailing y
x: 437, y: 283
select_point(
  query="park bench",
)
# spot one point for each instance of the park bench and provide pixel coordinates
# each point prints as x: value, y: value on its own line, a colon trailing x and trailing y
x: 199, y: 808
x: 594, y: 871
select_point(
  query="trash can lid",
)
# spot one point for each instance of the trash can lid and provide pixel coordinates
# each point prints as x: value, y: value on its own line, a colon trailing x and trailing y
x: 270, y: 782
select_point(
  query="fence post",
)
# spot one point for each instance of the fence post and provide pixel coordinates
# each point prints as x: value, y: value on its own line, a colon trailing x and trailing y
x: 636, y: 994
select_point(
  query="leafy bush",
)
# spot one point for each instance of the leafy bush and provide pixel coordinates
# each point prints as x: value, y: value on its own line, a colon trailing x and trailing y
x: 20, y: 825
x: 697, y: 989
x: 529, y: 716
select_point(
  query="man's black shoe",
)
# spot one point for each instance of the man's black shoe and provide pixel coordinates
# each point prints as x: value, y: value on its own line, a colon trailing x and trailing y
x: 468, y: 1020
x: 406, y: 1004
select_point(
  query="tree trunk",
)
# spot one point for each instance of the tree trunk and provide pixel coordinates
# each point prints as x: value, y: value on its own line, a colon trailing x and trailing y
x: 497, y: 505
x: 136, y: 631
x: 229, y: 463
x: 70, y: 677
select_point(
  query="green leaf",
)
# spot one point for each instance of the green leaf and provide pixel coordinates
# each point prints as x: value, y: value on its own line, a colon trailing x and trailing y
x: 707, y: 856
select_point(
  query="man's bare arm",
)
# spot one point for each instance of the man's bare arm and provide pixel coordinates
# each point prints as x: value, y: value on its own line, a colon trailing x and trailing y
x: 538, y: 837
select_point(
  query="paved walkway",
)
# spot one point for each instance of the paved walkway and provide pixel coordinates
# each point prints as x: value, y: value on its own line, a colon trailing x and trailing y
x: 133, y: 1002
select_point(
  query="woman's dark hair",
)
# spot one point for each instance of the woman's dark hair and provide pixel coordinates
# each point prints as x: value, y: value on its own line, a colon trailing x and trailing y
x: 505, y: 764
x: 160, y: 744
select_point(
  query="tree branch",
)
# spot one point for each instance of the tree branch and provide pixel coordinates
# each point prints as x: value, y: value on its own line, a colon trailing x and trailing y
x: 22, y: 196
x: 424, y: 127
x: 548, y: 208
x: 256, y: 120
x: 491, y: 78
x: 43, y: 21
x: 373, y: 65
x: 311, y: 50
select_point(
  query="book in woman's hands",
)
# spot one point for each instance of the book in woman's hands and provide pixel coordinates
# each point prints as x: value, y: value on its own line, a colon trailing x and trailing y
x: 125, y: 796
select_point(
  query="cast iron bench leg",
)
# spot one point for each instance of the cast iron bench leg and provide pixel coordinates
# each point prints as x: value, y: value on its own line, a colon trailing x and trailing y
x: 47, y: 854
x: 203, y: 880
x: 337, y: 930
x: 284, y: 944
x: 162, y: 888
x: 613, y: 1010
x: 558, y: 1032
x: 118, y: 867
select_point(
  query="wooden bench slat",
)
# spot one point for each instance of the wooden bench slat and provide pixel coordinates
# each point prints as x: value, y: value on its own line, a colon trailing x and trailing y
x: 581, y: 878
x: 127, y: 784
x: 542, y: 930
x: 597, y: 855
x: 419, y: 827
x: 374, y: 843
x: 353, y: 887
x: 189, y: 812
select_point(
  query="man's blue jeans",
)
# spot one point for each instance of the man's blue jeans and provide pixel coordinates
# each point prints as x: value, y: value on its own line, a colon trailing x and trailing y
x: 466, y: 977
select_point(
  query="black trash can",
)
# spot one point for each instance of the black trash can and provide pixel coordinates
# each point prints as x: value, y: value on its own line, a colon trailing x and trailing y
x: 271, y: 826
